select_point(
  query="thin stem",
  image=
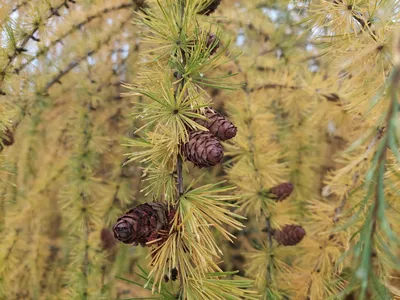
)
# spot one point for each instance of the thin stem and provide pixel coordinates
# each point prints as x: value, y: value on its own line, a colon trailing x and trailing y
x: 277, y: 86
x: 269, y: 236
x: 85, y: 202
x: 18, y: 6
x: 179, y: 181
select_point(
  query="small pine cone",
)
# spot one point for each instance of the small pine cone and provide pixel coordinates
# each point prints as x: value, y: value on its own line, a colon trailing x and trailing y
x: 282, y: 191
x: 212, y: 42
x: 218, y: 125
x: 210, y: 8
x: 8, y: 138
x: 203, y: 149
x: 140, y: 224
x: 289, y: 235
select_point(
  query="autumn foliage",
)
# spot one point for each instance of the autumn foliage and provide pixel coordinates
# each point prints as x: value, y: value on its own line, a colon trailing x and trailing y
x: 199, y: 149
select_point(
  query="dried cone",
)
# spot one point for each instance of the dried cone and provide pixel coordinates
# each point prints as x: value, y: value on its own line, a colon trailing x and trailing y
x: 210, y: 8
x: 282, y: 191
x: 289, y: 235
x: 203, y: 149
x: 217, y: 125
x: 141, y: 224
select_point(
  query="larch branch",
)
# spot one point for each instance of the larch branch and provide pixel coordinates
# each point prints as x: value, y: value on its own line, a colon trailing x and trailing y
x: 76, y: 62
x: 21, y: 47
x: 71, y: 31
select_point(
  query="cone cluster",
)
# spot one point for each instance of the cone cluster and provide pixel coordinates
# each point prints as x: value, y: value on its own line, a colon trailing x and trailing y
x: 289, y: 235
x: 204, y: 148
x: 210, y: 8
x: 142, y: 224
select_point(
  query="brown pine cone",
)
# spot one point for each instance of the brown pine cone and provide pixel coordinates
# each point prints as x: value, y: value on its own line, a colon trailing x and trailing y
x: 210, y: 8
x: 140, y: 224
x: 282, y: 191
x: 203, y: 149
x: 289, y: 235
x: 8, y: 138
x: 217, y: 125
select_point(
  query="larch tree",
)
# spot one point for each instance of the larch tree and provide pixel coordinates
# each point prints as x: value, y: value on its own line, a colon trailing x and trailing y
x: 199, y: 149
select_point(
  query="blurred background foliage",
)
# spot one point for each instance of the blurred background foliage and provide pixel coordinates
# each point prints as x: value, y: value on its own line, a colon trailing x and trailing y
x: 318, y: 109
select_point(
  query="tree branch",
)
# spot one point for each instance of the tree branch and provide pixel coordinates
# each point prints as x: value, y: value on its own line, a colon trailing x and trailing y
x: 356, y: 175
x: 75, y: 63
x: 18, y: 6
x: 269, y: 236
x: 179, y: 180
x: 358, y: 16
x: 21, y: 47
x: 71, y: 66
x: 277, y: 86
x: 70, y: 31
x: 180, y: 176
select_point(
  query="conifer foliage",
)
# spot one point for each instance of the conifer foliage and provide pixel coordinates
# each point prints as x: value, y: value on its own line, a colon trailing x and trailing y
x: 160, y: 148
x: 61, y: 123
x: 178, y: 125
x: 318, y: 110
